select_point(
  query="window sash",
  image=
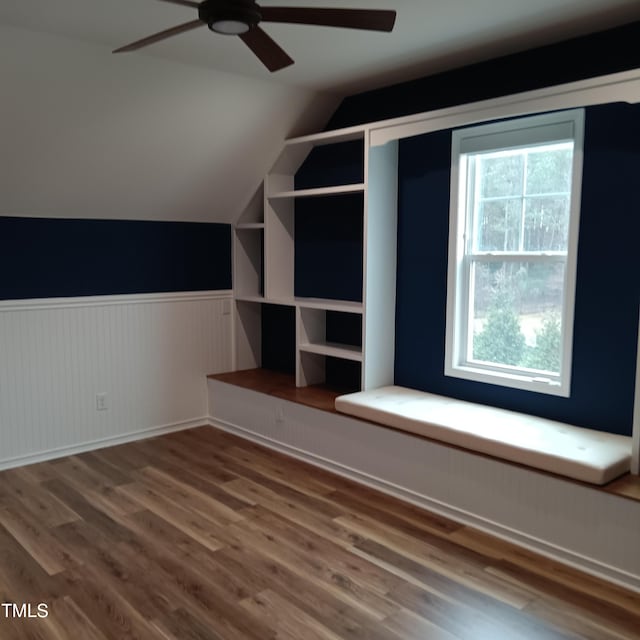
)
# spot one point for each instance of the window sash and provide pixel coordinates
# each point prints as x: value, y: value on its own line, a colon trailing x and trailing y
x: 467, y: 318
x: 533, y: 131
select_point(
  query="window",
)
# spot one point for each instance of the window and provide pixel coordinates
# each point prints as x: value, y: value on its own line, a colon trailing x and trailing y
x: 515, y: 203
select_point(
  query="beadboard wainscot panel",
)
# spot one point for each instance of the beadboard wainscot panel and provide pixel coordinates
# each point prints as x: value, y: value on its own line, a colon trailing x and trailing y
x: 149, y: 353
x: 566, y: 520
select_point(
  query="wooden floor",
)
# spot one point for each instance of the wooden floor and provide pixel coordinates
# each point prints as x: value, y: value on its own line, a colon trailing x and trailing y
x: 201, y: 535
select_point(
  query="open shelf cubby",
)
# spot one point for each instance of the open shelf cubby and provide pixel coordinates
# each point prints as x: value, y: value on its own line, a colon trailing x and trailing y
x: 249, y: 261
x: 330, y: 333
x: 302, y: 272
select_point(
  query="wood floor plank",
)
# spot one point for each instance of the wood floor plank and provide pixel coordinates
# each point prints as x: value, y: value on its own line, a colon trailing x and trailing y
x: 200, y: 480
x: 22, y: 579
x: 294, y: 510
x: 200, y: 535
x: 410, y: 626
x: 360, y: 584
x: 443, y: 586
x: 600, y: 612
x: 285, y: 471
x: 103, y: 467
x: 583, y: 626
x: 186, y: 496
x: 177, y: 452
x: 471, y: 623
x: 124, y: 457
x: 181, y: 625
x: 190, y: 523
x: 49, y: 509
x: 384, y: 508
x: 114, y: 567
x: 103, y: 605
x: 36, y: 473
x: 289, y: 622
x: 66, y: 620
x: 447, y: 561
x: 36, y: 540
x: 498, y: 549
x: 308, y: 542
x: 81, y: 475
x: 331, y: 611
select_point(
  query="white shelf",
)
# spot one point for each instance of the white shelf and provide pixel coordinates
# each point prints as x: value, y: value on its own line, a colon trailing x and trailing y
x: 249, y: 225
x: 249, y: 298
x: 319, y: 191
x: 329, y: 137
x: 346, y: 306
x: 296, y: 150
x: 284, y: 302
x: 336, y: 350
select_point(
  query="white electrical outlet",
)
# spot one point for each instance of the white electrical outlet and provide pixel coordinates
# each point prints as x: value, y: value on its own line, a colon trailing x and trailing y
x: 101, y: 402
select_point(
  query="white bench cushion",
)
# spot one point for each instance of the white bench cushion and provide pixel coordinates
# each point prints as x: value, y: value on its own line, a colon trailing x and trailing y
x: 583, y: 454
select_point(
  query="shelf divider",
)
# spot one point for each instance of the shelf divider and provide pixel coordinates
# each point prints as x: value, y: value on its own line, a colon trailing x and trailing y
x: 337, y: 190
x: 333, y: 349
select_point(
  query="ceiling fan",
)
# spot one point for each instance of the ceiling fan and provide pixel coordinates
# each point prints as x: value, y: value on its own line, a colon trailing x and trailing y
x: 241, y: 18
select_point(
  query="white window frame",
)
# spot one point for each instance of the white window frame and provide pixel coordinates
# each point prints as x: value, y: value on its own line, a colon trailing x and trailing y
x: 519, y: 132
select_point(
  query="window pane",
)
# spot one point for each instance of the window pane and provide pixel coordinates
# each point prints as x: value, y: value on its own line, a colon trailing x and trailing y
x: 498, y: 225
x: 546, y: 223
x: 500, y: 174
x: 516, y: 309
x: 549, y: 169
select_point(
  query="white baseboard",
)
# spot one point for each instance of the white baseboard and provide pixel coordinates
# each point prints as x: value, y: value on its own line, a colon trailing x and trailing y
x: 61, y: 452
x: 563, y: 555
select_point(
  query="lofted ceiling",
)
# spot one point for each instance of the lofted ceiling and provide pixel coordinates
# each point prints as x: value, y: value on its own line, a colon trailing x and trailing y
x: 430, y: 35
x: 186, y: 129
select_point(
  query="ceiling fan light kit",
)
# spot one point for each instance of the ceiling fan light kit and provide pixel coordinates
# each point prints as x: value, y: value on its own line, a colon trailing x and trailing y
x: 242, y: 17
x: 229, y: 17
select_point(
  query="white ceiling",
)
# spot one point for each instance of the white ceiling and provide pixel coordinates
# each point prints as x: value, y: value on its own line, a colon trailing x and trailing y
x: 83, y: 136
x: 430, y: 35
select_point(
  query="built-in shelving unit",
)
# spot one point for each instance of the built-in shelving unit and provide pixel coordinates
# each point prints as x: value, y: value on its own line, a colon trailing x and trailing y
x: 265, y: 252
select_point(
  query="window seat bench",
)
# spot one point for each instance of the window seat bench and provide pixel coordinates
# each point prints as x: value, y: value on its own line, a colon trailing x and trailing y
x: 582, y: 454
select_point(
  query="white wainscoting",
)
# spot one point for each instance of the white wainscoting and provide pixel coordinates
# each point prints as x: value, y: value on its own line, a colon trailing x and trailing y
x: 149, y: 353
x: 571, y: 522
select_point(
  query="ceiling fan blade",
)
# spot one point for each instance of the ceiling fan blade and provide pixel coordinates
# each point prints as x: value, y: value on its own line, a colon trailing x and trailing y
x: 373, y: 19
x: 167, y: 33
x: 186, y: 3
x: 264, y: 47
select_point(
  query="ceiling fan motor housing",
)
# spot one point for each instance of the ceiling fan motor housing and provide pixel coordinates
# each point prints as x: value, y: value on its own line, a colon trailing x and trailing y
x: 215, y: 12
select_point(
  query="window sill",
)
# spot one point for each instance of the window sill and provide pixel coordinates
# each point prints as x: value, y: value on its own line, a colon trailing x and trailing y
x: 513, y: 381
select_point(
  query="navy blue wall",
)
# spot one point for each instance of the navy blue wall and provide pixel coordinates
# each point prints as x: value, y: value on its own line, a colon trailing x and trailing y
x: 328, y: 241
x: 608, y: 288
x: 51, y: 257
x: 278, y: 327
x: 576, y: 59
x: 328, y: 230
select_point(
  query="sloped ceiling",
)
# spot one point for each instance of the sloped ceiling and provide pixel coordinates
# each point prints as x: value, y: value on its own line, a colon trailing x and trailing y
x: 88, y: 135
x: 186, y: 129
